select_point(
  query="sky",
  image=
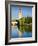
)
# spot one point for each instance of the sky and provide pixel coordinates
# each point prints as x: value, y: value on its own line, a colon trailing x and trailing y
x: 25, y: 11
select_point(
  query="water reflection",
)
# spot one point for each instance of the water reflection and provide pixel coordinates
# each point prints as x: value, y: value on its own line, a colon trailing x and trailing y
x: 21, y: 31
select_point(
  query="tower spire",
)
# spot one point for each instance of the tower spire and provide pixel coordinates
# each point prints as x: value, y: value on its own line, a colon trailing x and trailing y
x: 20, y: 9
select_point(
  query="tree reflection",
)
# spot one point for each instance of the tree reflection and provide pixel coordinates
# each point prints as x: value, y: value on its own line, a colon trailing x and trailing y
x: 25, y: 28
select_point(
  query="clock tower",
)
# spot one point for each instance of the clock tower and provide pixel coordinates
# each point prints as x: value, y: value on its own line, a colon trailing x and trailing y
x: 20, y: 13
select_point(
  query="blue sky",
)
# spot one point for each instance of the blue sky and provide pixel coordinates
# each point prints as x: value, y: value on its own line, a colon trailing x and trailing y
x: 25, y: 11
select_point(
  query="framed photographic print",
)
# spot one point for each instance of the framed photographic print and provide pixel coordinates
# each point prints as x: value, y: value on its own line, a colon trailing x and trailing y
x: 21, y: 22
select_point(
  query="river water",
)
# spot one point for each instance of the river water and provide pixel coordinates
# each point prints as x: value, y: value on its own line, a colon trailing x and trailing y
x: 15, y: 32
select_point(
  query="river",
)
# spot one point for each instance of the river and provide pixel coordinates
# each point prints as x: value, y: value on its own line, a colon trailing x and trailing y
x: 17, y: 33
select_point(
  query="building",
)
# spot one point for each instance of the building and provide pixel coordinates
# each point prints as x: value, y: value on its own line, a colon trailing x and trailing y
x: 19, y: 16
x: 20, y: 13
